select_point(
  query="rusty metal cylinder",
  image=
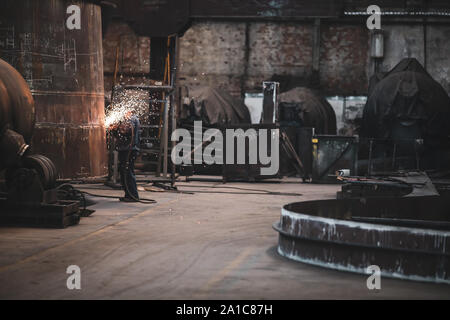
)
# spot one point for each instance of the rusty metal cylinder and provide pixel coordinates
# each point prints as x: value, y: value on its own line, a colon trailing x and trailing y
x: 17, y: 115
x: 63, y: 66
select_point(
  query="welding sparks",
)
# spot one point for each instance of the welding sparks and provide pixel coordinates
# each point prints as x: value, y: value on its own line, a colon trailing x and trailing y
x: 125, y: 101
x: 114, y: 117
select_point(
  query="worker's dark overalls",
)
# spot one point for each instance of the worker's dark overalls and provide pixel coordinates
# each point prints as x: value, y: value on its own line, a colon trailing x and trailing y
x: 128, y: 147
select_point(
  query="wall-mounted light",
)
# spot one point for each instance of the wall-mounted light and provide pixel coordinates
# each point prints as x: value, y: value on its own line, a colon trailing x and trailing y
x: 377, y: 44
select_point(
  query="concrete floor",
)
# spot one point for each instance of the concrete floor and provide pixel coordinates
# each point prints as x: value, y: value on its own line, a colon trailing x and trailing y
x: 187, y: 246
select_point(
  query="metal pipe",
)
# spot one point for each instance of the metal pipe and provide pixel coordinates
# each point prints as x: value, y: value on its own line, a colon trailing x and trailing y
x: 369, y: 169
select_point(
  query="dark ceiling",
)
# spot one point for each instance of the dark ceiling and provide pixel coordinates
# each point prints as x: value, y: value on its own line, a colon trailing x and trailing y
x: 160, y: 18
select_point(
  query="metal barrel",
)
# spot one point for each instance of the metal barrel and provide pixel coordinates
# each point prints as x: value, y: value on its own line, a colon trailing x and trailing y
x: 64, y: 69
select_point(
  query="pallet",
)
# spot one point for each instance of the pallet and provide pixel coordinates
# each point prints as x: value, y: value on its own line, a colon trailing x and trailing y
x: 61, y: 214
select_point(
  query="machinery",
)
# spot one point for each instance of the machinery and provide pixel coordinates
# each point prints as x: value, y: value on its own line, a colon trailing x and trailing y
x: 17, y: 115
x: 406, y: 121
x: 30, y: 179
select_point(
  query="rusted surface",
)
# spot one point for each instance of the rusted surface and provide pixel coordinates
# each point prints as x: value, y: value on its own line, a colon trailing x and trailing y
x: 344, y: 59
x: 279, y: 49
x: 65, y: 73
x: 239, y: 58
x: 16, y: 103
x: 323, y: 233
x: 132, y: 53
x: 212, y: 54
x: 438, y: 59
x: 17, y: 115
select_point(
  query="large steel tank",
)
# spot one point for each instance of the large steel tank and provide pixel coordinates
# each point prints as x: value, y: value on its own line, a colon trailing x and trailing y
x: 64, y: 71
x: 17, y: 116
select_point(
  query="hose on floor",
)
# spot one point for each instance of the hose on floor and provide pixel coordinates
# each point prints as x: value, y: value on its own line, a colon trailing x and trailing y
x: 127, y: 188
x: 67, y: 190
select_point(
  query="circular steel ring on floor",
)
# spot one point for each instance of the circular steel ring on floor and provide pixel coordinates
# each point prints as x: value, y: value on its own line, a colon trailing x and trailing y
x: 323, y: 233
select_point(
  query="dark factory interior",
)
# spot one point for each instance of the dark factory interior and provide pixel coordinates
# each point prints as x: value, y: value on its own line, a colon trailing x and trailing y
x: 224, y: 150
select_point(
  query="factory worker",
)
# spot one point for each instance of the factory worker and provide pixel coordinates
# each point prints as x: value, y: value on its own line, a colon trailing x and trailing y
x: 126, y: 133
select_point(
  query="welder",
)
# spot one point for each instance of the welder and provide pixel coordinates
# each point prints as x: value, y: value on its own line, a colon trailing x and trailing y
x: 126, y: 133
